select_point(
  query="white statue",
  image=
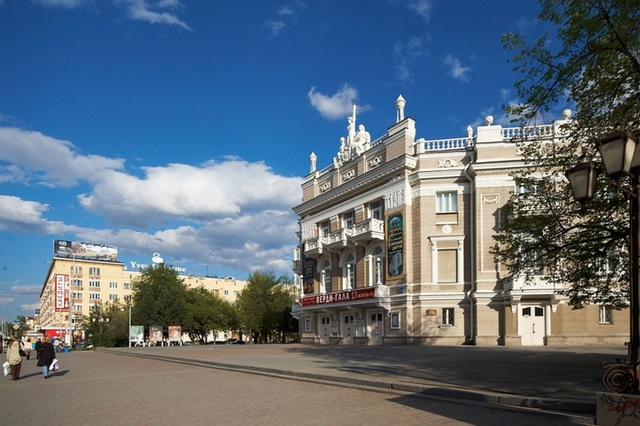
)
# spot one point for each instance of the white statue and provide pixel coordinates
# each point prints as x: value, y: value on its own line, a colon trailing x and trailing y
x: 361, y: 141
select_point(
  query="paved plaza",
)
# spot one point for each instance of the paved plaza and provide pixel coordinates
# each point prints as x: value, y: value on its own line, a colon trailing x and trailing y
x: 209, y: 385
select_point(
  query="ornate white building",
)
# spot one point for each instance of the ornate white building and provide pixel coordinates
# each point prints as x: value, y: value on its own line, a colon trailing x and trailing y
x: 395, y: 240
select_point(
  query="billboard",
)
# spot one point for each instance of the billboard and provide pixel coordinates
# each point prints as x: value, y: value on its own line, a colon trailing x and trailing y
x: 83, y: 250
x: 62, y: 292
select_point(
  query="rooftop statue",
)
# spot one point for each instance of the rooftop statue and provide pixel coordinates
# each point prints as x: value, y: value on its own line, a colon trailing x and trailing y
x: 354, y: 144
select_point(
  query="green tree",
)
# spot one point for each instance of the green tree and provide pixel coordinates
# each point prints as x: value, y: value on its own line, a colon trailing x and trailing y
x: 591, y: 61
x: 206, y: 313
x: 159, y: 298
x: 264, y: 306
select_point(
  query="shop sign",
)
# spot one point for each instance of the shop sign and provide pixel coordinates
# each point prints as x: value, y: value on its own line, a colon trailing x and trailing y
x: 338, y: 297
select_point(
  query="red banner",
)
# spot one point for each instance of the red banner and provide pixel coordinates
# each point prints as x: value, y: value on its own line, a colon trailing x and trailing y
x: 342, y: 296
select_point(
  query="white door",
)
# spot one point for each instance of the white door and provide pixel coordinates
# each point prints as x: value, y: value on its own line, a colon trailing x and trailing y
x: 532, y: 325
x: 347, y: 329
x: 325, y: 330
x: 375, y: 328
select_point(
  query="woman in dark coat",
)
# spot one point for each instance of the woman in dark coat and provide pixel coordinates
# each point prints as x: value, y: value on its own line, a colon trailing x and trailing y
x: 47, y: 355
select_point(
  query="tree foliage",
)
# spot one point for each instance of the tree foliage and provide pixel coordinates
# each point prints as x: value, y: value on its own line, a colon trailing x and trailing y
x: 159, y: 298
x: 264, y: 306
x: 206, y: 312
x: 591, y: 63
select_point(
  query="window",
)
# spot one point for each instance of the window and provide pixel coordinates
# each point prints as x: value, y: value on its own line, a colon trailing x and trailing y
x: 606, y: 315
x: 94, y: 296
x: 448, y: 318
x: 76, y: 282
x: 446, y: 202
x: 94, y: 271
x: 76, y: 270
x: 307, y: 324
x: 113, y: 285
x: 94, y: 283
x: 226, y: 292
x: 113, y: 297
x: 375, y: 210
x: 347, y: 220
x: 325, y: 228
x: 76, y: 295
x: 395, y: 320
x: 127, y: 286
x: 326, y: 278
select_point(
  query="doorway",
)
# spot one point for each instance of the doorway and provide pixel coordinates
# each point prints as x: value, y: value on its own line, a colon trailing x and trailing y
x: 532, y: 325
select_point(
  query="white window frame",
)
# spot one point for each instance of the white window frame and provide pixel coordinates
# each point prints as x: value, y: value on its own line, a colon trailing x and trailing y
x: 448, y: 317
x: 605, y: 314
x: 446, y: 201
x: 395, y: 321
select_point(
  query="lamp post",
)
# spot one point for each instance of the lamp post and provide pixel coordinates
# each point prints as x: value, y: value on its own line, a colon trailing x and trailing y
x: 621, y: 157
x: 127, y: 298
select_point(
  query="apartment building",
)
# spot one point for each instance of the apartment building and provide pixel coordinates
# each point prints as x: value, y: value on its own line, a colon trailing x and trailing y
x: 395, y: 237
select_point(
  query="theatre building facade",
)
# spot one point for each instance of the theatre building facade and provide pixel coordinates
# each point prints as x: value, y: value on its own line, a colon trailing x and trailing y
x: 395, y: 237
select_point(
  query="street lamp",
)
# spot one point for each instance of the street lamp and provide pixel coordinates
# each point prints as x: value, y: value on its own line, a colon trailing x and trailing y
x: 621, y: 157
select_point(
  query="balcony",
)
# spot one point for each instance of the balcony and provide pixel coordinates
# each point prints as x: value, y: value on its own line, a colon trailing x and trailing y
x: 314, y: 246
x: 368, y: 230
x: 338, y: 240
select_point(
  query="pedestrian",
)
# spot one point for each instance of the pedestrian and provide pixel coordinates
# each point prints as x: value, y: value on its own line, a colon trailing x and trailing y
x: 14, y: 358
x: 47, y: 355
x: 27, y: 348
x: 56, y: 345
x: 38, y: 347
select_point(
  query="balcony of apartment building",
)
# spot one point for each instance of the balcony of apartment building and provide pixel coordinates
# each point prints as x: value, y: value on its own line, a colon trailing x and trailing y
x: 349, y: 235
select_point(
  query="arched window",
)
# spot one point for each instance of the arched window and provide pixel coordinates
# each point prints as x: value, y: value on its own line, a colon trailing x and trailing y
x: 378, y: 268
x: 350, y: 276
x: 326, y: 277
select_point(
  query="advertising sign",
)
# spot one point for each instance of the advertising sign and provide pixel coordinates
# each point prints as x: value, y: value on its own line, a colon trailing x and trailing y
x: 342, y: 296
x: 155, y: 335
x: 308, y: 273
x: 175, y: 331
x: 62, y: 292
x: 395, y: 245
x: 83, y: 250
x: 137, y: 334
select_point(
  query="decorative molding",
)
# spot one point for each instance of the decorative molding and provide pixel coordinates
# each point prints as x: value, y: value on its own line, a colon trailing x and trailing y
x: 394, y: 200
x: 374, y: 162
x: 348, y: 175
x: 325, y: 186
x: 486, y: 199
x: 448, y: 162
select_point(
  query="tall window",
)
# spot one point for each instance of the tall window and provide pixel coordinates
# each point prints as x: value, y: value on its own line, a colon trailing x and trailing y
x: 448, y: 318
x: 347, y: 220
x: 446, y: 202
x: 375, y: 210
x: 325, y: 227
x: 606, y: 315
x: 326, y: 276
x: 94, y: 271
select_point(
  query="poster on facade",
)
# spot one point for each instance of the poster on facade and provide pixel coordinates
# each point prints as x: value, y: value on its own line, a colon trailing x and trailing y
x: 62, y: 292
x: 136, y: 334
x: 155, y: 335
x: 395, y: 245
x: 82, y: 250
x: 308, y: 274
x: 175, y: 332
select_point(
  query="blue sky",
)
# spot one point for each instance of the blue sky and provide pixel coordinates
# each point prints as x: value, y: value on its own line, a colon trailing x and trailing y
x: 185, y: 127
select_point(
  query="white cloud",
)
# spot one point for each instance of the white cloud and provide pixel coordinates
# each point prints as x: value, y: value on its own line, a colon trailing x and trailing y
x: 456, y: 70
x: 422, y: 8
x: 405, y: 55
x: 338, y: 105
x: 285, y: 13
x: 159, y: 12
x: 180, y: 191
x: 275, y: 27
x: 41, y: 159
